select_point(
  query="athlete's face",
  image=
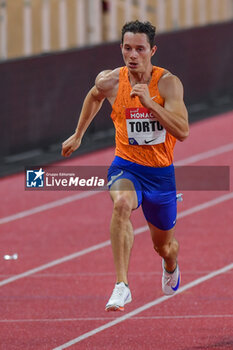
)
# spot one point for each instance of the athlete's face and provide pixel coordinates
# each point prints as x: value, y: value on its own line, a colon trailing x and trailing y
x: 137, y: 52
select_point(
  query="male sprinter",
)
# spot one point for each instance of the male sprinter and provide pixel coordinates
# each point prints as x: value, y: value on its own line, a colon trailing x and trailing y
x: 149, y: 115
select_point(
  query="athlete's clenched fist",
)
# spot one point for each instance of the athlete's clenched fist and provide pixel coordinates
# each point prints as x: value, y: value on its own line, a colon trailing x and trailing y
x: 142, y: 91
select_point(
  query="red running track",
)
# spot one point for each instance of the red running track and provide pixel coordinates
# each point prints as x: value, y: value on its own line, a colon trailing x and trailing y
x: 50, y: 297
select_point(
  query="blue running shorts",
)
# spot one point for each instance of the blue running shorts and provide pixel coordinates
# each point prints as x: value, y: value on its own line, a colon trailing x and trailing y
x: 155, y: 188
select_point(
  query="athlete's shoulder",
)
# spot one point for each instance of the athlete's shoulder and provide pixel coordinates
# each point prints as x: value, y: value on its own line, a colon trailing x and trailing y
x: 107, y: 80
x: 170, y: 85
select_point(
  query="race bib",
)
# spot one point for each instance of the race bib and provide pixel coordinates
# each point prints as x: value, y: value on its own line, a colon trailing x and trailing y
x: 143, y: 128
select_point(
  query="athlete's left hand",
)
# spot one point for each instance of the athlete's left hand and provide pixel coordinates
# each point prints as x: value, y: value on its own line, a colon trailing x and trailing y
x: 142, y: 91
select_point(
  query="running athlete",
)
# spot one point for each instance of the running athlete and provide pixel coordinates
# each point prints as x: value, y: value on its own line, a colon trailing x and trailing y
x: 149, y: 115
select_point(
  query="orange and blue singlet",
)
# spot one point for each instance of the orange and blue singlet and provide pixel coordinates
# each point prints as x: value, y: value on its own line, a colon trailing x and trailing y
x: 144, y: 152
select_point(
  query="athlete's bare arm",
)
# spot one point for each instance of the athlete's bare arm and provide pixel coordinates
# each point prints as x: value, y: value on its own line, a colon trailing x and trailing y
x: 173, y: 116
x: 106, y: 86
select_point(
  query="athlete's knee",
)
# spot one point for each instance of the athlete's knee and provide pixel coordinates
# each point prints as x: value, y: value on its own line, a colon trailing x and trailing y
x: 123, y: 205
x: 163, y: 250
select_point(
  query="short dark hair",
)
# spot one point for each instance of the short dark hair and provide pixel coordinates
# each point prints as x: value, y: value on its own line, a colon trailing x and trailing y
x: 140, y: 27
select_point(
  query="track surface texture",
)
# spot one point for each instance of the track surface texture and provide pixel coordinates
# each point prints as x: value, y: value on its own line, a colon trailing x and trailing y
x: 53, y: 296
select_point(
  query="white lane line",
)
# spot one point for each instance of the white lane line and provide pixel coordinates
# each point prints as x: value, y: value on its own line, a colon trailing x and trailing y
x: 78, y: 319
x: 55, y: 262
x: 93, y: 248
x: 72, y: 198
x: 90, y: 274
x: 205, y: 205
x: 47, y: 206
x: 144, y: 307
x: 208, y: 154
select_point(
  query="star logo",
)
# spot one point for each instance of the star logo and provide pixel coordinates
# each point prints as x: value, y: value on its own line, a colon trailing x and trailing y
x: 35, y: 178
x: 39, y: 174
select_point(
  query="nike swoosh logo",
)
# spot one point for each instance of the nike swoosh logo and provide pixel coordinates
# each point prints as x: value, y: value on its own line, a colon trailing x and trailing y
x: 149, y: 141
x: 177, y: 285
x: 114, y: 177
x: 126, y: 297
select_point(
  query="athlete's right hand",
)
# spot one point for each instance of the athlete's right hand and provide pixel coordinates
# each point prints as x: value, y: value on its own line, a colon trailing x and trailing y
x: 70, y: 145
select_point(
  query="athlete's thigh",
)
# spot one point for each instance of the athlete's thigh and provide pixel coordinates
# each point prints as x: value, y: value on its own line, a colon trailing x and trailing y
x: 161, y: 237
x: 125, y: 184
x: 124, y: 188
x: 160, y: 208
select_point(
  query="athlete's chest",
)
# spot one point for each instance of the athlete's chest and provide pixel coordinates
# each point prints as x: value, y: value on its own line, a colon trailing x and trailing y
x: 142, y: 127
x: 137, y: 122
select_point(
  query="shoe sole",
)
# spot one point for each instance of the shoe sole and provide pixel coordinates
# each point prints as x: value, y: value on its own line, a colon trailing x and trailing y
x: 116, y: 307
